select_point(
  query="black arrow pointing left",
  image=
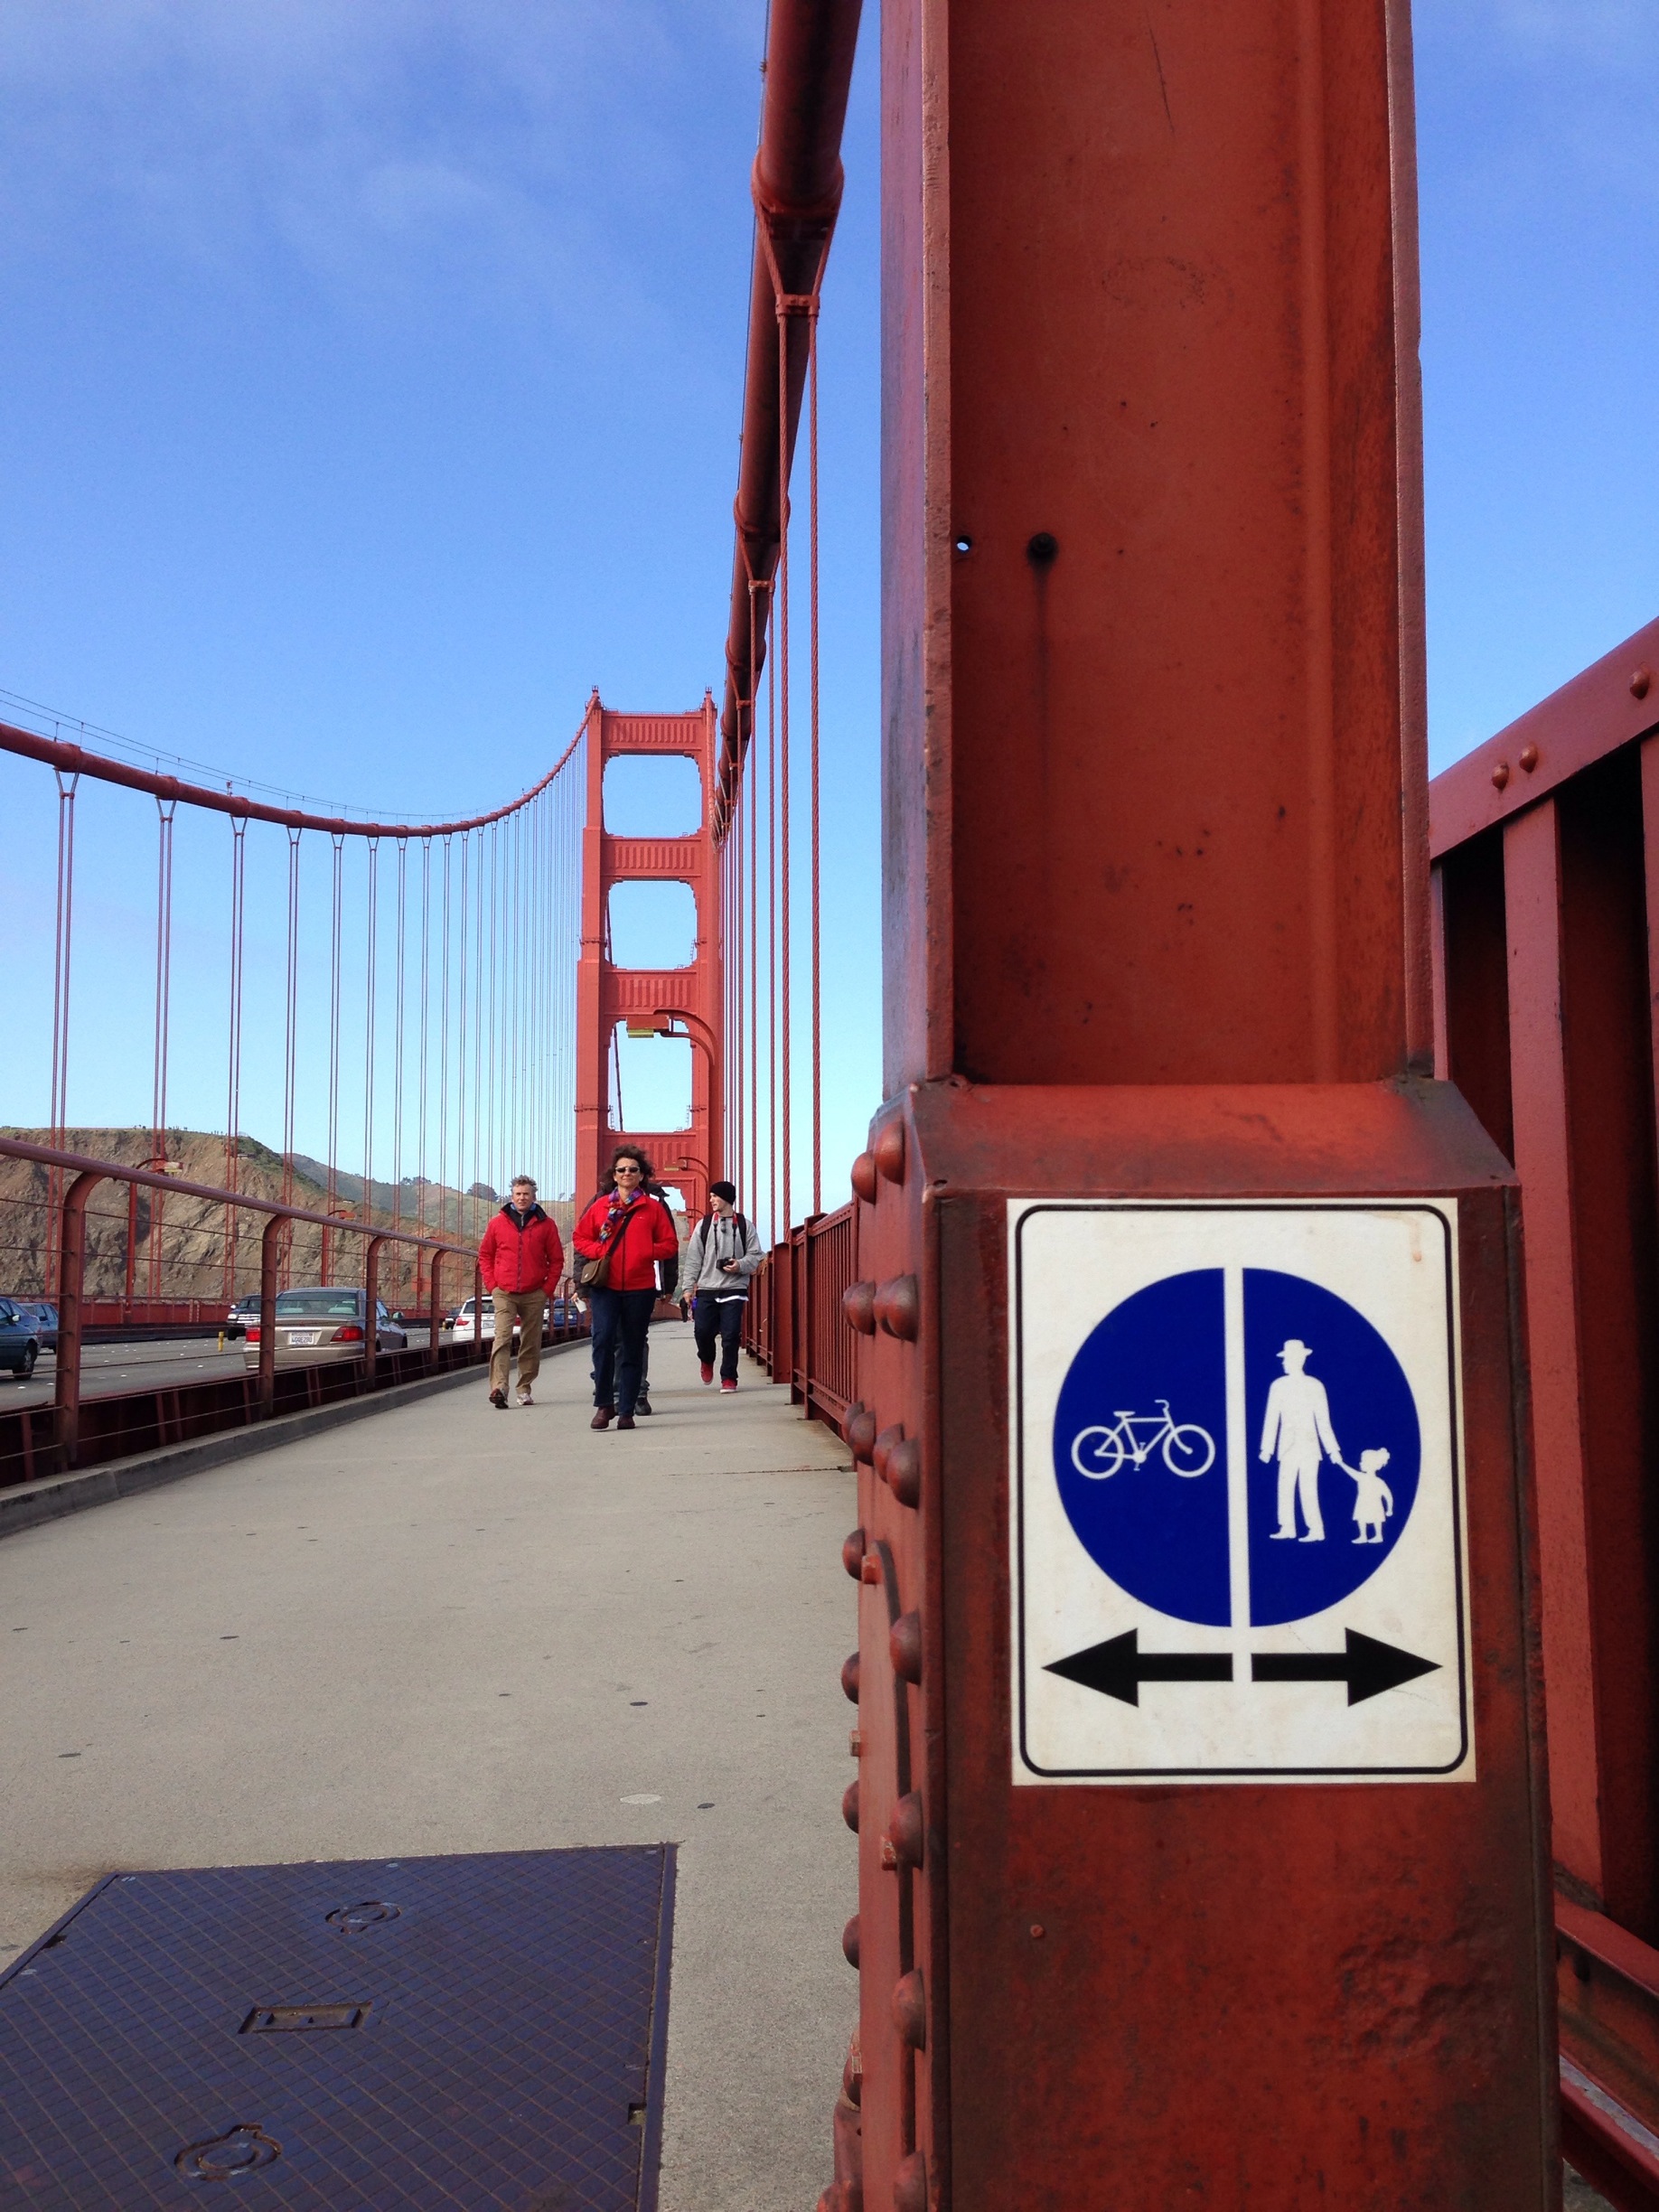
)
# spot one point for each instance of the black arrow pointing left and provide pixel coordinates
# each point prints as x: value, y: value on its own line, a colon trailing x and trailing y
x: 1117, y: 1667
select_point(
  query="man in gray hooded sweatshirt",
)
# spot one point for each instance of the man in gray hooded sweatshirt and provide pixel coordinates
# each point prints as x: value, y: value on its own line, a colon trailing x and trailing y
x: 723, y: 1253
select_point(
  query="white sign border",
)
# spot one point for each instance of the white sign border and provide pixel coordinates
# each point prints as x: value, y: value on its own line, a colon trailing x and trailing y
x: 1027, y: 1773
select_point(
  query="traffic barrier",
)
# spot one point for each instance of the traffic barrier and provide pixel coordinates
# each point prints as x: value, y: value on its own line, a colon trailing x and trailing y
x: 81, y: 1429
x: 794, y: 1324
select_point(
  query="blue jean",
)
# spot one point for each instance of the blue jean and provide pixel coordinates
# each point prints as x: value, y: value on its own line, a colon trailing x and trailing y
x: 711, y: 1315
x: 621, y: 1318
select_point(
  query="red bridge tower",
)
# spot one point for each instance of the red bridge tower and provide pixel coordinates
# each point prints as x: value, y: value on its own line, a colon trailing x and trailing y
x: 681, y: 1001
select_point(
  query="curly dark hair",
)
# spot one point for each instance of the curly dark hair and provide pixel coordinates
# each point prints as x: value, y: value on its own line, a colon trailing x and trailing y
x: 633, y: 1152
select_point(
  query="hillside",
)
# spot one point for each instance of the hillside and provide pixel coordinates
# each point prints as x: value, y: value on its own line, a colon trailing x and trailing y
x: 192, y: 1229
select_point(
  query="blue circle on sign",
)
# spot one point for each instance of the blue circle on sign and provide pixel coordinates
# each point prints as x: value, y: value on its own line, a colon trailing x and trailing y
x: 1331, y: 1444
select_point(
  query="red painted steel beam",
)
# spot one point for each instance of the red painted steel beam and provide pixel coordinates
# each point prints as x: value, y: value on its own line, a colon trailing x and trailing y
x: 75, y: 760
x: 1156, y: 956
x: 1606, y: 705
x: 797, y: 186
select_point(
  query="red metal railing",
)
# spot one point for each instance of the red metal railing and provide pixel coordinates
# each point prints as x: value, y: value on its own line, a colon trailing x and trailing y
x: 78, y: 1427
x: 794, y: 1325
x: 1546, y: 853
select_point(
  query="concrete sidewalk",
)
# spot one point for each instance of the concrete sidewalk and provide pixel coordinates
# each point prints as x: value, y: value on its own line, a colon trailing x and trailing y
x: 450, y: 1629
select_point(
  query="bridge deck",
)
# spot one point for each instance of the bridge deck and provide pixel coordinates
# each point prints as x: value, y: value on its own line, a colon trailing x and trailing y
x: 446, y: 1629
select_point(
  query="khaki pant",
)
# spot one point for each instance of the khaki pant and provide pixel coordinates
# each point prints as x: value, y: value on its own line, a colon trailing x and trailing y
x: 525, y: 1307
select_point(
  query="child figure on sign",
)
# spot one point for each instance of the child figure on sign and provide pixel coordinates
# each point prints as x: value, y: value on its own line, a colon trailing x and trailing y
x: 1373, y: 1501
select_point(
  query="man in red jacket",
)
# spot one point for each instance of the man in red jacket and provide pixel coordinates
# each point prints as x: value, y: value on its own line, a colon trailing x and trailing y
x: 521, y: 1260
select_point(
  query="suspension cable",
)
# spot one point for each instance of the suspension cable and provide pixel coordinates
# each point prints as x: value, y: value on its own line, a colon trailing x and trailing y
x: 817, y: 1077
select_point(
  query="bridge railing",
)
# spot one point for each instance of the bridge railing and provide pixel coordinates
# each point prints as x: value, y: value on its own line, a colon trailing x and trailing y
x: 794, y: 1324
x: 1546, y: 879
x: 81, y: 1426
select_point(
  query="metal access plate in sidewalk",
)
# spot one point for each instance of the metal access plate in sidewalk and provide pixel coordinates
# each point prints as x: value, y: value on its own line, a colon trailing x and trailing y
x: 464, y: 2032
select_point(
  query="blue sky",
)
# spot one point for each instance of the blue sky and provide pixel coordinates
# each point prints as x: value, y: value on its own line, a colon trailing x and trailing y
x: 369, y: 390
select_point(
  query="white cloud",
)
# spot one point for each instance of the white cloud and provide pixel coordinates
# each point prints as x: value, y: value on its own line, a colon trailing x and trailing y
x: 378, y: 147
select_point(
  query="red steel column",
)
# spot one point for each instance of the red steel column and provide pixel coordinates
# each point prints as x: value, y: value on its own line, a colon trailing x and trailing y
x: 592, y: 1072
x: 1156, y: 939
x: 1543, y: 1159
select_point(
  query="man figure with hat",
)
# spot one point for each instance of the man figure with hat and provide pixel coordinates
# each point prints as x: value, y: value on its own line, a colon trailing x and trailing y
x: 1298, y: 1427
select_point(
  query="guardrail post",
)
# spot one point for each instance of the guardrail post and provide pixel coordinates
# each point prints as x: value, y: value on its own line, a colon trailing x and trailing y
x: 434, y: 1313
x: 371, y: 1319
x: 478, y: 1350
x: 71, y: 1314
x: 270, y: 1245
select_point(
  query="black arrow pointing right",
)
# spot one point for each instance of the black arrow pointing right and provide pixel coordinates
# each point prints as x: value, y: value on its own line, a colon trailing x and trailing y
x: 1366, y: 1667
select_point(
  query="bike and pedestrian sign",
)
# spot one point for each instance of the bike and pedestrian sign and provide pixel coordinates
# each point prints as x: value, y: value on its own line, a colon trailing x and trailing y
x: 1236, y: 1492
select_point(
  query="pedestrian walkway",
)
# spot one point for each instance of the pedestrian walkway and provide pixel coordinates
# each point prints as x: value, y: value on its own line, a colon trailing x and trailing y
x: 451, y: 1630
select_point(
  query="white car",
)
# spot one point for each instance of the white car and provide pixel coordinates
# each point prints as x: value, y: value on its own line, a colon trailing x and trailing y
x: 560, y: 1312
x: 465, y: 1327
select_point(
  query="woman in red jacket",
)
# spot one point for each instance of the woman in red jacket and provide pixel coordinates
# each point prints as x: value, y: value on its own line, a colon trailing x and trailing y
x: 637, y: 1231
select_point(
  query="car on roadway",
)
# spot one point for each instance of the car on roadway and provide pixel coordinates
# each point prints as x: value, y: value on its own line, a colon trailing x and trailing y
x: 465, y: 1327
x: 324, y: 1323
x: 560, y: 1312
x: 242, y: 1311
x: 20, y: 1343
x: 44, y: 1317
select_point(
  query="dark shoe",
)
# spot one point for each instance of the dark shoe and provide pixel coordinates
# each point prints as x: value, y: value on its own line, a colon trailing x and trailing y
x: 498, y: 1399
x: 625, y: 1420
x: 705, y: 1369
x: 601, y: 1418
x: 642, y: 1405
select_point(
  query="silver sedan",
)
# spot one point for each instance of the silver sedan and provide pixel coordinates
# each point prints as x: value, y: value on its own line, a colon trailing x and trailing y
x: 313, y: 1325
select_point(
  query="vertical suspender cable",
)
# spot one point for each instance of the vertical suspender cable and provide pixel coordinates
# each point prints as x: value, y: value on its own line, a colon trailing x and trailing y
x: 818, y: 1072
x: 752, y: 780
x: 61, y: 1016
x: 333, y: 1047
x: 424, y: 1165
x: 773, y: 921
x: 397, y: 1174
x: 233, y: 1089
x: 492, y: 1133
x: 461, y: 972
x: 478, y: 1019
x: 443, y: 1137
x: 290, y: 1022
x: 165, y: 809
x: 368, y: 1014
x: 782, y: 756
x: 290, y: 1051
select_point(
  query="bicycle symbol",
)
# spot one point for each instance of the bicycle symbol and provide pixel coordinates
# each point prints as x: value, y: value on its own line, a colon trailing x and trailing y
x: 1187, y: 1448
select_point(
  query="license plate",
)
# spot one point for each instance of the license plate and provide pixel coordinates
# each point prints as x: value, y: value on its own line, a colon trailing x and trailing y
x: 304, y: 1337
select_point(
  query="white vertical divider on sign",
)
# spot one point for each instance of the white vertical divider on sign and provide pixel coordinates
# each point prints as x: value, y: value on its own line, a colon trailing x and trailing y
x: 1238, y: 1447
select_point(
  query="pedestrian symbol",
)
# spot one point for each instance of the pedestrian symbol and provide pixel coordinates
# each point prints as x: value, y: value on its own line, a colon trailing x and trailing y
x: 1236, y: 1475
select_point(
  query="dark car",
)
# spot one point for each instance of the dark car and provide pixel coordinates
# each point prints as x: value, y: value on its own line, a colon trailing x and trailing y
x: 242, y: 1311
x: 45, y: 1319
x: 324, y: 1323
x: 19, y: 1342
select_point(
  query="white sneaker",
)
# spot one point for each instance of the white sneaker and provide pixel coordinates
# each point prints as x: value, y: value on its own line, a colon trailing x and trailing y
x: 525, y: 1398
